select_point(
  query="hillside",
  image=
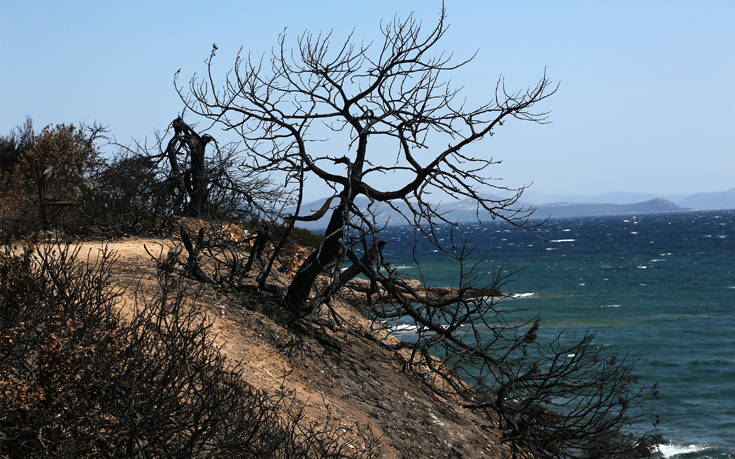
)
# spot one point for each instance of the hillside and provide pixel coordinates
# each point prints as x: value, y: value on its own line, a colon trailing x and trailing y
x: 330, y: 374
x: 175, y: 346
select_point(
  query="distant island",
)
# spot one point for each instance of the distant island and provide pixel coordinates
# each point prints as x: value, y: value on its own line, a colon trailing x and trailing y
x: 628, y: 203
x: 562, y: 209
x: 560, y: 206
x: 695, y: 201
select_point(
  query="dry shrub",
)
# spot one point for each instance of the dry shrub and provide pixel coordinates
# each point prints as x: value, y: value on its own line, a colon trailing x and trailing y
x: 18, y: 214
x: 77, y: 380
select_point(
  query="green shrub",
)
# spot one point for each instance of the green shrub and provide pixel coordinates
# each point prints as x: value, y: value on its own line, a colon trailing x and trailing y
x: 306, y: 238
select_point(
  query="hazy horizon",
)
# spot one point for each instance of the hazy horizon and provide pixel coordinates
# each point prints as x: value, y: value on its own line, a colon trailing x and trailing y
x: 533, y: 196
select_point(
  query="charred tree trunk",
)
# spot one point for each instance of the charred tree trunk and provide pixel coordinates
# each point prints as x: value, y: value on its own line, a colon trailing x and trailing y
x: 45, y: 203
x: 190, y: 179
x: 197, y: 188
x: 298, y: 292
x: 256, y: 251
x: 192, y: 267
x: 41, y: 188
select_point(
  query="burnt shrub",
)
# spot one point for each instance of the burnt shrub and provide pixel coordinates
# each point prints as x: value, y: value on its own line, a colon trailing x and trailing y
x: 127, y: 198
x: 77, y: 379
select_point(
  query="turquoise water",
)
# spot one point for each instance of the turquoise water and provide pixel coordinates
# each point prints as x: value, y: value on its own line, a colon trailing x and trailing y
x: 660, y: 288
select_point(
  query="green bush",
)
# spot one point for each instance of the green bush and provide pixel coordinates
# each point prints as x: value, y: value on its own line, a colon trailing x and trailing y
x: 306, y: 238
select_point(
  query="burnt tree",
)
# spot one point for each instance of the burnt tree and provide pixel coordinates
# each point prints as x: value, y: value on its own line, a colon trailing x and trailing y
x: 367, y: 98
x: 384, y: 128
x: 189, y: 174
x: 187, y: 180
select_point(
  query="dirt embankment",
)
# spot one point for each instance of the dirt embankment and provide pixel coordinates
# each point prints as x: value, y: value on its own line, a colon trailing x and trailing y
x: 329, y: 373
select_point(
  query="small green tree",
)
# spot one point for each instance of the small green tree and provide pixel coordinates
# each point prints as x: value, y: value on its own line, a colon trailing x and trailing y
x: 57, y: 165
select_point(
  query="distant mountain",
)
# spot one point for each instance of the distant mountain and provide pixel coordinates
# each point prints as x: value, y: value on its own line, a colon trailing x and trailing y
x: 618, y: 203
x: 555, y: 210
x: 710, y: 201
x: 465, y: 211
x: 619, y: 197
x: 696, y: 201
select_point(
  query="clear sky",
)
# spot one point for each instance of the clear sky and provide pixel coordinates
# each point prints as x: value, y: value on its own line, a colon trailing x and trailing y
x: 646, y: 102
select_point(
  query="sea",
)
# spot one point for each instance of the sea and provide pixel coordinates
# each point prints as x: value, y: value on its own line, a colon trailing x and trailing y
x: 659, y: 288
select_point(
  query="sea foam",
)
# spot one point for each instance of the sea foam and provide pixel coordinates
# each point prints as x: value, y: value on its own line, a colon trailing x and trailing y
x: 407, y: 328
x: 404, y: 328
x: 674, y: 449
x: 521, y: 295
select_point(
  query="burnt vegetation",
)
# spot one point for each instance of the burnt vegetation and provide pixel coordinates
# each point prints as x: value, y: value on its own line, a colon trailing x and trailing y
x: 76, y: 379
x: 62, y: 342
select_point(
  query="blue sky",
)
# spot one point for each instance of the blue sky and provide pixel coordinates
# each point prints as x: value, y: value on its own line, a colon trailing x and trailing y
x: 646, y: 101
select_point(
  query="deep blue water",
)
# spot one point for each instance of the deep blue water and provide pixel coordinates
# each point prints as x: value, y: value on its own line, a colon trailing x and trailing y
x: 660, y: 288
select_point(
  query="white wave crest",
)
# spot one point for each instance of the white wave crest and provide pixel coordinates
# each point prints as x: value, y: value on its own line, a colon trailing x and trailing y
x: 674, y: 449
x: 563, y: 240
x: 404, y: 328
x: 408, y: 328
x: 521, y: 295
